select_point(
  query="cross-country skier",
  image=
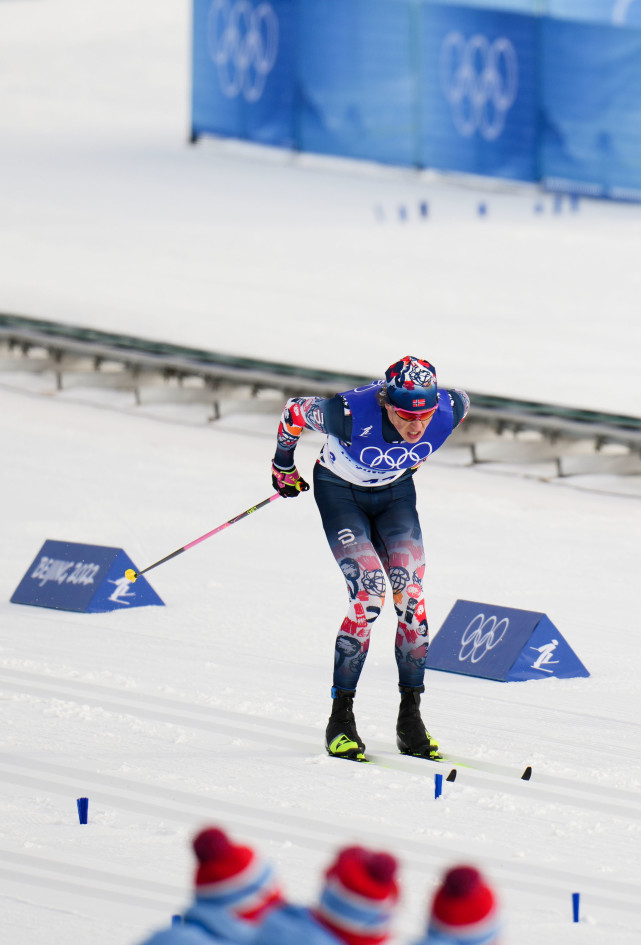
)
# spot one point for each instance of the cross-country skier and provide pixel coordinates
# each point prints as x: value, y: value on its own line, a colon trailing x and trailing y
x: 376, y: 437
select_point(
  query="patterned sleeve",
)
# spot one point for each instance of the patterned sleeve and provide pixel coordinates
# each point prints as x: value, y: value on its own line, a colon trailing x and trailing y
x: 325, y: 415
x: 460, y: 405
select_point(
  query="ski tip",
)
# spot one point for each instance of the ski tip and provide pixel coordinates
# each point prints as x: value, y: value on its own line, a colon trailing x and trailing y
x: 527, y: 774
x: 452, y: 775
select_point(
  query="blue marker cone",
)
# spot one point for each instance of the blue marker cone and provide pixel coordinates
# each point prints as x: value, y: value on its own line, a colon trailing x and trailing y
x: 575, y: 906
x: 482, y: 209
x: 424, y: 209
x: 438, y: 785
x: 83, y: 809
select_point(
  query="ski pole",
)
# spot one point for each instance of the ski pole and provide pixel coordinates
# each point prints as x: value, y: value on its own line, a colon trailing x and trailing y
x: 131, y: 575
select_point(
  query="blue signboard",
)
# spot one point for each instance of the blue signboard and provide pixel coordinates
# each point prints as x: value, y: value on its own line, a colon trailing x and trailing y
x: 591, y: 109
x: 479, y: 102
x: 357, y: 79
x: 65, y: 575
x: 498, y: 89
x: 502, y: 643
x: 244, y: 69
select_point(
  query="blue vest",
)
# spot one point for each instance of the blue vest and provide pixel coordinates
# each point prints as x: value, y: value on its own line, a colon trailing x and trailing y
x: 369, y: 460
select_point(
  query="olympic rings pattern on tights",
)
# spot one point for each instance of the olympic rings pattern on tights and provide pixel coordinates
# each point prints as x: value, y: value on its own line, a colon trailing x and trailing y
x: 480, y: 80
x: 243, y: 44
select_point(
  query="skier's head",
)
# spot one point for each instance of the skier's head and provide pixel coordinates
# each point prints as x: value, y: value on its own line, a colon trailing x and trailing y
x: 233, y: 876
x: 410, y: 386
x: 359, y: 896
x: 464, y: 910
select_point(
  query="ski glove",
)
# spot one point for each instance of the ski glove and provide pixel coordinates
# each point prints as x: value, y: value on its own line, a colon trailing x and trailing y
x: 288, y: 482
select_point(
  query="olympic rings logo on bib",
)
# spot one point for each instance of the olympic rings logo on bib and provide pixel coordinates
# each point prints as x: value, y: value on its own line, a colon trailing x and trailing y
x: 396, y: 457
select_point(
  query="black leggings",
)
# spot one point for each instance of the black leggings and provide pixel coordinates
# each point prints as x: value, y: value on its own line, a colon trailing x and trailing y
x: 373, y: 532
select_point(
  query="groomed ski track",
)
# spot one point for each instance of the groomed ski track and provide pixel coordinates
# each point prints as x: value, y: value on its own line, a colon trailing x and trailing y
x: 263, y: 738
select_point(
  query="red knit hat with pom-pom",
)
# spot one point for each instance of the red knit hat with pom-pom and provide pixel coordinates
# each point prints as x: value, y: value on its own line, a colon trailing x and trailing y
x: 464, y: 910
x: 359, y: 896
x: 234, y: 876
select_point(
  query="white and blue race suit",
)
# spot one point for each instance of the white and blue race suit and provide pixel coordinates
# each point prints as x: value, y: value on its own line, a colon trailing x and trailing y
x: 364, y: 490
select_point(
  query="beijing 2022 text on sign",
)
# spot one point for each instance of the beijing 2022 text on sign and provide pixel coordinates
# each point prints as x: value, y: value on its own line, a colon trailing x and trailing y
x: 65, y: 575
x: 502, y: 643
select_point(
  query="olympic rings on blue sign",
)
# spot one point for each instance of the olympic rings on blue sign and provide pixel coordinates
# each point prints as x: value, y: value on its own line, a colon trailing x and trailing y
x: 480, y: 80
x: 481, y: 635
x: 243, y: 44
x: 396, y: 457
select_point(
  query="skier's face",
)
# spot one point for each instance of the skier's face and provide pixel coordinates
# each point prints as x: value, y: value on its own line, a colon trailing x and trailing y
x: 411, y: 430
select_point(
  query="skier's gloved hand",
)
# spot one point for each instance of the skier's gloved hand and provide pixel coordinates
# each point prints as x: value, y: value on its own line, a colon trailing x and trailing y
x: 288, y: 482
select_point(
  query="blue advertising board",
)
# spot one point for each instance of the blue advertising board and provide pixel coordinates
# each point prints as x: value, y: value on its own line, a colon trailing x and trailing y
x: 499, y: 89
x: 244, y: 70
x: 66, y: 575
x: 502, y: 643
x: 478, y: 108
x: 591, y: 109
x: 357, y: 79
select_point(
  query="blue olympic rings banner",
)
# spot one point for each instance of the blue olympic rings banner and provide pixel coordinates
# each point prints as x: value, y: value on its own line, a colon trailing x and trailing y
x: 479, y: 103
x: 244, y: 82
x: 65, y: 575
x: 502, y: 643
x: 500, y: 92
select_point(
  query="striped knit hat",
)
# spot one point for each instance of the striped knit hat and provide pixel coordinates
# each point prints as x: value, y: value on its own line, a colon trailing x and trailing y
x: 233, y: 877
x: 464, y: 910
x: 359, y: 896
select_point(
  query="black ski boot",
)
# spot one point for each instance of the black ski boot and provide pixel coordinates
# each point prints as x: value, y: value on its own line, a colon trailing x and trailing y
x: 341, y: 737
x: 412, y: 737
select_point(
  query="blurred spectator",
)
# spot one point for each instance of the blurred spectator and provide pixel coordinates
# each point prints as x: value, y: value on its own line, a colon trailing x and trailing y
x: 356, y: 905
x: 234, y: 890
x: 464, y: 911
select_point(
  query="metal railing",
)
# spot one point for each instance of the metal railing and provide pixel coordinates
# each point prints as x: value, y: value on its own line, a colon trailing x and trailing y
x: 60, y: 348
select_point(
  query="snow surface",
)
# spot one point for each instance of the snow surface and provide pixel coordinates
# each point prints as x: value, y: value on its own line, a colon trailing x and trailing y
x: 212, y: 708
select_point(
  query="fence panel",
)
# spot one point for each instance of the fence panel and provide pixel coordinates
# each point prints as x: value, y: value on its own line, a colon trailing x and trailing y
x: 479, y: 91
x: 500, y: 92
x: 591, y: 109
x: 357, y: 77
x: 244, y: 70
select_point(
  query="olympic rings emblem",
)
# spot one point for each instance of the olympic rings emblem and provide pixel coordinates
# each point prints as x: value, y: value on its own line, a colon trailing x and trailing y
x: 243, y: 44
x: 396, y: 457
x: 481, y: 635
x: 480, y: 80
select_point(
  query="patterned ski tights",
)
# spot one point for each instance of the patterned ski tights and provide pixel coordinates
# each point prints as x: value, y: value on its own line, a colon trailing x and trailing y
x: 375, y: 532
